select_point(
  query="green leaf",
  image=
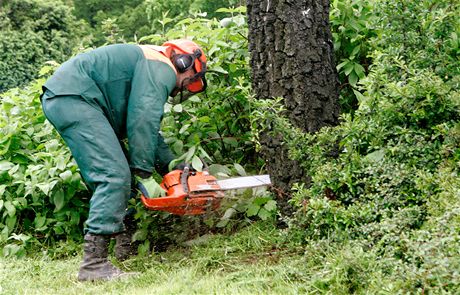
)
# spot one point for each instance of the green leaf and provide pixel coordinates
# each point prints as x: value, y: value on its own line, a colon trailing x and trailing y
x: 222, y: 223
x: 11, y: 250
x: 194, y: 98
x: 144, y: 248
x: 45, y: 187
x: 270, y: 205
x: 61, y: 163
x: 229, y: 213
x: 58, y: 230
x: 140, y: 235
x: 376, y: 156
x: 353, y: 79
x: 355, y: 50
x: 5, y: 165
x: 11, y: 221
x: 66, y: 176
x: 5, y: 148
x: 252, y: 210
x: 59, y: 200
x: 239, y: 9
x: 231, y: 141
x: 20, y: 159
x: 184, y: 128
x: 1, y: 205
x: 45, y: 70
x: 219, y: 70
x: 361, y: 98
x: 359, y: 70
x: 21, y: 237
x: 39, y: 221
x: 204, y: 119
x: 263, y: 214
x: 2, y: 191
x: 197, y: 164
x: 190, y: 153
x: 233, y: 68
x: 349, y: 67
x: 239, y: 169
x: 217, y: 169
x: 74, y: 217
x: 178, y: 147
x: 10, y: 208
x: 178, y: 108
x: 224, y: 10
x: 226, y: 22
x: 342, y: 64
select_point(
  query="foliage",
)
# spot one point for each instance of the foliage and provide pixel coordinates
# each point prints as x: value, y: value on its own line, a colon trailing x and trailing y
x: 91, y: 10
x: 40, y: 187
x: 139, y: 18
x: 384, y: 176
x: 38, y: 167
x: 351, y: 26
x: 381, y: 213
x: 33, y: 32
x: 214, y: 127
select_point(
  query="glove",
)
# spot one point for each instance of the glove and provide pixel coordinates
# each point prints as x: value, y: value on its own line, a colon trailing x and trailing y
x: 150, y: 188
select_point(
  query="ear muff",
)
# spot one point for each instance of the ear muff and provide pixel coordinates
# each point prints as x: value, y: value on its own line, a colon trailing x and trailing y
x: 184, y: 62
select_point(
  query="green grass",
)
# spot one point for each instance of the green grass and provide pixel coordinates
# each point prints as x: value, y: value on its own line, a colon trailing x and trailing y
x: 244, y: 263
x: 259, y: 259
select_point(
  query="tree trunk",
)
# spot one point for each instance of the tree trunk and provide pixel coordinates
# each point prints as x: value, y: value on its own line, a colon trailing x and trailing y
x: 292, y: 57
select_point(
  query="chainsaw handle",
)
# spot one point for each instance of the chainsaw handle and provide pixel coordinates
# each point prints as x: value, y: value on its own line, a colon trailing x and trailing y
x: 184, y: 177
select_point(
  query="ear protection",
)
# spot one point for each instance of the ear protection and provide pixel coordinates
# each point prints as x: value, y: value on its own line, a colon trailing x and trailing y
x: 184, y: 62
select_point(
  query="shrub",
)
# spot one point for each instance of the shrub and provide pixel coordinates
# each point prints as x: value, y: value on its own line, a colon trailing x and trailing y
x: 385, y: 175
x: 41, y: 188
x: 33, y: 32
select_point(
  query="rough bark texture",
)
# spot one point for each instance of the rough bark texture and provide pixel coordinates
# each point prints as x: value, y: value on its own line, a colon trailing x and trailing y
x: 292, y: 57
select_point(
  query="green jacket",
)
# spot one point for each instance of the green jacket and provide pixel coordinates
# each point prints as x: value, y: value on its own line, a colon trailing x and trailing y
x: 129, y: 89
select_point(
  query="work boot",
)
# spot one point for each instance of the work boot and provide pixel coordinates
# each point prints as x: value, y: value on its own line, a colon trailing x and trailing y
x: 95, y: 265
x: 125, y: 247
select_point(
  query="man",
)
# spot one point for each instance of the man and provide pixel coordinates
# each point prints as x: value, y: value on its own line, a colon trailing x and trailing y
x: 100, y: 98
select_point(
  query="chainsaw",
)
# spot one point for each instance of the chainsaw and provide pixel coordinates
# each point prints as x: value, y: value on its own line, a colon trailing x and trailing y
x: 197, y: 192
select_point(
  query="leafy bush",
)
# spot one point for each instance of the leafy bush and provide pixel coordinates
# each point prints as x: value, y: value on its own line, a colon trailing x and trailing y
x: 137, y: 18
x: 385, y: 175
x: 351, y: 26
x: 33, y: 32
x: 41, y: 188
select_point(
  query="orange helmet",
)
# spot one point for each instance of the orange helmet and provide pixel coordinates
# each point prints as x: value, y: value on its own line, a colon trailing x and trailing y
x: 185, y: 55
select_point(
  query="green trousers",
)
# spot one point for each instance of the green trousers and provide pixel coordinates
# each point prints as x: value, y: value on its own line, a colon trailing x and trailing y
x: 99, y: 155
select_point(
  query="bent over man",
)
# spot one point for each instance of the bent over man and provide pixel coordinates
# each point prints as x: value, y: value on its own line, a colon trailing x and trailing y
x: 99, y: 98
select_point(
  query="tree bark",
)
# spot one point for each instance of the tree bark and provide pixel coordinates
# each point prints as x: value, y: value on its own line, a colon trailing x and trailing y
x: 291, y: 50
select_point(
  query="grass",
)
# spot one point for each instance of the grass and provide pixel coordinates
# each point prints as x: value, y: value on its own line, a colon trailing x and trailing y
x: 244, y: 263
x: 259, y: 259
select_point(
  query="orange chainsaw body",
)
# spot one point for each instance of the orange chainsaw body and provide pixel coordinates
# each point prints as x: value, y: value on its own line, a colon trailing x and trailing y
x: 187, y: 193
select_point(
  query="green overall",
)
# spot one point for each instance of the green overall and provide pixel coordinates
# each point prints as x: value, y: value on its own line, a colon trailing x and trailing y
x: 99, y: 98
